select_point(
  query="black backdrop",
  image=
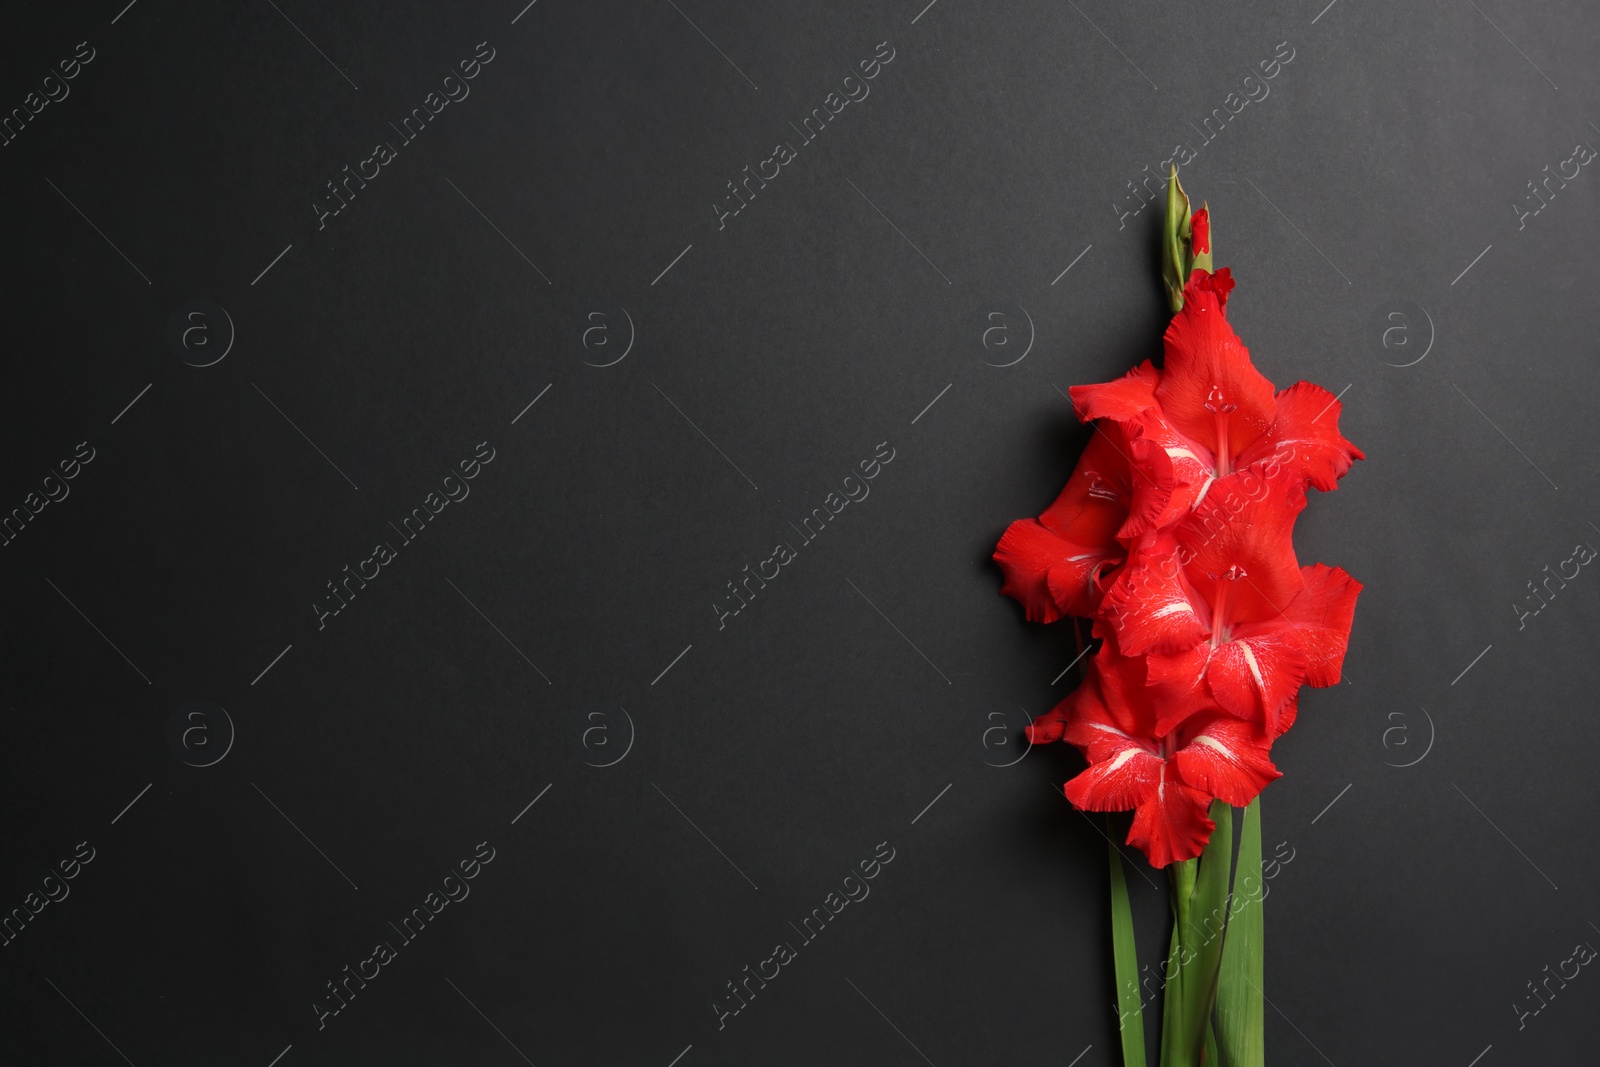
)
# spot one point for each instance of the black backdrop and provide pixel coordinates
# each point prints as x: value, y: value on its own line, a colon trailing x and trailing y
x: 543, y: 677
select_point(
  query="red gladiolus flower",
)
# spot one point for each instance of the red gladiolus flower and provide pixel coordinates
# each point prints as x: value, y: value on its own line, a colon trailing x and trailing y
x: 1168, y: 779
x: 1175, y: 534
x: 1212, y: 412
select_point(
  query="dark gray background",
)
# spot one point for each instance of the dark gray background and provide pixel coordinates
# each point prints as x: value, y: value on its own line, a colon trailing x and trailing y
x: 772, y: 356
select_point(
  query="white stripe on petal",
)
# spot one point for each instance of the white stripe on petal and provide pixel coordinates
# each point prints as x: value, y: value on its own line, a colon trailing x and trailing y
x: 1122, y: 757
x: 1255, y: 668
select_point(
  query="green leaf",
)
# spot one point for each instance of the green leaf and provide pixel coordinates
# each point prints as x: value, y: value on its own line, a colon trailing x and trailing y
x: 1130, y: 1018
x: 1241, y: 1039
x: 1175, y: 242
x: 1203, y: 931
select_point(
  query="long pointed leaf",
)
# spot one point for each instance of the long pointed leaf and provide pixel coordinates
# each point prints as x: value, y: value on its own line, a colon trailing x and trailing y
x: 1241, y: 1038
x: 1130, y: 1018
x: 1203, y: 932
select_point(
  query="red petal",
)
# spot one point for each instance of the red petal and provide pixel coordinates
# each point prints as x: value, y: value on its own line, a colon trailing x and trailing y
x: 1220, y: 282
x: 1321, y: 617
x: 1200, y: 232
x: 1254, y: 677
x: 1176, y: 689
x: 1094, y: 502
x: 1171, y: 473
x: 1053, y: 565
x: 1168, y: 469
x: 1116, y: 784
x: 1227, y: 759
x: 1053, y: 723
x: 1209, y: 389
x: 1305, y: 437
x: 1121, y: 400
x: 1148, y: 606
x: 1154, y: 480
x: 1286, y: 717
x: 1180, y: 671
x: 1244, y: 528
x: 1113, y: 700
x: 1171, y: 825
x: 1026, y: 552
